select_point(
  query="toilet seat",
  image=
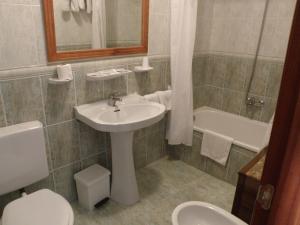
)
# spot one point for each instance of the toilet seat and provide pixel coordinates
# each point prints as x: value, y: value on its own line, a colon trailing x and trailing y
x: 43, y: 207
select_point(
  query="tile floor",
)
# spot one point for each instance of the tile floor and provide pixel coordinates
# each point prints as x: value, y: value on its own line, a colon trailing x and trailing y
x: 163, y: 185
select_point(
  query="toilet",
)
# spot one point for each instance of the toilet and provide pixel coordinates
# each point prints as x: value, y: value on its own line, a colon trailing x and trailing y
x: 198, y: 213
x: 23, y: 161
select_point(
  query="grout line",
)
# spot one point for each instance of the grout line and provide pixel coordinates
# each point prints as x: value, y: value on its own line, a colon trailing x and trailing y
x: 60, y: 123
x: 54, y: 181
x: 3, y: 106
x: 106, y: 149
x: 80, y: 147
x: 74, y: 85
x: 43, y: 102
x: 66, y: 165
x: 35, y: 29
x: 127, y: 80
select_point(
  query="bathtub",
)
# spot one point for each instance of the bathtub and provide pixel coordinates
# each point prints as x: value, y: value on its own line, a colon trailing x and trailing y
x: 249, y: 134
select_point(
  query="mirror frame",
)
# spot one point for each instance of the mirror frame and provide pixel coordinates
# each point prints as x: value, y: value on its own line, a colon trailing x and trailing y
x: 54, y: 55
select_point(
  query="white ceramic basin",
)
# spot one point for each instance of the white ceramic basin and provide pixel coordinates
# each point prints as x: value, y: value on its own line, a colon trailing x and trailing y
x: 201, y: 213
x: 132, y: 115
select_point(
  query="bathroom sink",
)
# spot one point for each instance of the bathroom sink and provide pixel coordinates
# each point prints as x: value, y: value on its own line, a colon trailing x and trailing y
x: 121, y: 121
x: 129, y: 117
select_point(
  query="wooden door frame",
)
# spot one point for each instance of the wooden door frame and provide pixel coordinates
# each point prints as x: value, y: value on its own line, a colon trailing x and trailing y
x: 283, y: 157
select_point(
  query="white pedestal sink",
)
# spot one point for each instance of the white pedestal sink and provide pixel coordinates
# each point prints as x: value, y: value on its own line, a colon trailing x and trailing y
x: 133, y: 115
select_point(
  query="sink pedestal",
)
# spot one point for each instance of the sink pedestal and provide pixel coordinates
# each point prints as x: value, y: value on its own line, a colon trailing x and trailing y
x: 124, y: 186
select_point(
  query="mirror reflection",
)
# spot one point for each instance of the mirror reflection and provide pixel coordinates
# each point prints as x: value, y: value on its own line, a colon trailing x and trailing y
x: 97, y: 24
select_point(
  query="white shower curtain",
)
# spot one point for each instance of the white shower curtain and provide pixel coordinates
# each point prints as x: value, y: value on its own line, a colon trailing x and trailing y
x: 183, y: 33
x: 98, y: 24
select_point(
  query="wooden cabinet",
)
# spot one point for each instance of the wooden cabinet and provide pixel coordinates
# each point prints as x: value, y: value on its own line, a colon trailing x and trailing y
x: 247, y: 188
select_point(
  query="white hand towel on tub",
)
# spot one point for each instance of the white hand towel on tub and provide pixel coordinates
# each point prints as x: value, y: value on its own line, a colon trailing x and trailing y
x: 216, y: 146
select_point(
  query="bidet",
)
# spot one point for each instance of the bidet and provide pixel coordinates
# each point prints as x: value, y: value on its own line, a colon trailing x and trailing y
x: 201, y: 213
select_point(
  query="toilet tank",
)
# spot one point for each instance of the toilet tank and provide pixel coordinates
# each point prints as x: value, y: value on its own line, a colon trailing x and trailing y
x: 23, y: 158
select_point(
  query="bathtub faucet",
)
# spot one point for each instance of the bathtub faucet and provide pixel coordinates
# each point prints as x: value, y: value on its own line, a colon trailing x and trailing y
x: 253, y: 101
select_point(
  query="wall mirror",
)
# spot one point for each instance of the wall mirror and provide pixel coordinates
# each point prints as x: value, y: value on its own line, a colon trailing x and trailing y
x: 78, y: 29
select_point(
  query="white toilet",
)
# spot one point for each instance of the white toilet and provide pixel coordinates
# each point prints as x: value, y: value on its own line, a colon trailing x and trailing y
x: 23, y: 161
x: 201, y: 213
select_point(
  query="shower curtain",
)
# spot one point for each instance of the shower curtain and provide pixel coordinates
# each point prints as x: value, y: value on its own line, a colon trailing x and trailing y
x: 183, y: 33
x: 98, y: 24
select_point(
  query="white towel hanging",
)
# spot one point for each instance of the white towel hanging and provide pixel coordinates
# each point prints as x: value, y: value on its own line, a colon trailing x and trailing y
x: 89, y: 6
x: 81, y: 4
x: 74, y: 6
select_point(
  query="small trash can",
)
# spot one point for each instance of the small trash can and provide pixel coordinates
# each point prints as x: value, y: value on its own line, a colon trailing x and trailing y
x: 93, y: 185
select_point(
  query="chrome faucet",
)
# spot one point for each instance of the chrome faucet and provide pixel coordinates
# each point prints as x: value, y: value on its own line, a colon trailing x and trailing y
x: 253, y: 101
x: 113, y: 99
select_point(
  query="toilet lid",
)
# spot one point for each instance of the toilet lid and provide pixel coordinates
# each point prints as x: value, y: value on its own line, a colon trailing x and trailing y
x: 43, y: 207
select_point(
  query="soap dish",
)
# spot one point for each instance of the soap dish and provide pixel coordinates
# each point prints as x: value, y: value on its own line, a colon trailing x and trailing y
x: 107, y: 74
x: 140, y: 69
x: 58, y: 81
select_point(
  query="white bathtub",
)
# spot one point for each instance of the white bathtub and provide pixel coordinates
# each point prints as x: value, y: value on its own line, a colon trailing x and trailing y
x: 250, y: 134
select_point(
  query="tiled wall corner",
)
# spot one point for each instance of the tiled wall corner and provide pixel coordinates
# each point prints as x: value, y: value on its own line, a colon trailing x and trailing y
x: 221, y: 82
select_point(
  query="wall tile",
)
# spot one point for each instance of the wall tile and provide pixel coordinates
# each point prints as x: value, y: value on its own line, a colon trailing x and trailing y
x: 159, y: 24
x: 38, y: 18
x: 156, y: 77
x: 274, y: 81
x: 215, y: 169
x: 236, y: 161
x: 100, y: 159
x: 87, y: 91
x: 58, y: 109
x: 157, y: 127
x: 260, y: 78
x: 269, y: 109
x: 233, y: 101
x: 23, y: 100
x: 199, y: 67
x: 212, y: 96
x: 198, y: 96
x: 140, y: 152
x: 47, y: 183
x: 167, y: 73
x: 138, y: 82
x: 92, y: 142
x: 192, y: 154
x: 2, y: 111
x: 117, y: 85
x: 216, y: 70
x: 155, y: 146
x: 18, y: 45
x: 48, y: 150
x: 238, y: 69
x: 64, y: 143
x: 65, y: 183
x: 148, y: 82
